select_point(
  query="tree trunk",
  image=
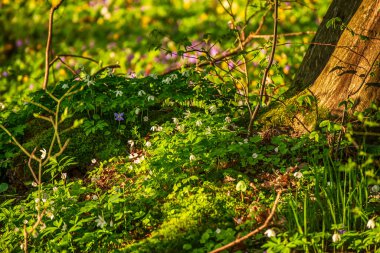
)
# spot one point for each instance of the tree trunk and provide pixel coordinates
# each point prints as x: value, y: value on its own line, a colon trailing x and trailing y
x: 341, y: 65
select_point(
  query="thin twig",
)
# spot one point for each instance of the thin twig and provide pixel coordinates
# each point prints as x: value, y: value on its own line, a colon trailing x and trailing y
x: 263, y: 82
x: 48, y: 43
x: 257, y: 230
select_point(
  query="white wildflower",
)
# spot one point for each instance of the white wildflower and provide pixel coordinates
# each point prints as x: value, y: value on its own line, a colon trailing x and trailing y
x: 270, y: 233
x: 64, y: 176
x: 43, y: 226
x: 145, y: 118
x: 43, y: 153
x: 150, y: 98
x: 198, y: 123
x: 64, y: 227
x: 298, y: 175
x: 228, y: 119
x: 371, y: 223
x: 137, y: 111
x: 93, y: 161
x: 167, y: 80
x: 336, y: 237
x: 276, y: 150
x: 148, y: 144
x: 65, y: 86
x: 154, y: 76
x: 375, y: 188
x: 208, y: 130
x: 131, y: 143
x: 159, y: 128
x: 141, y: 93
x: 34, y: 184
x: 192, y: 157
x: 50, y: 215
x: 55, y: 189
x: 25, y: 222
x: 37, y: 200
x: 218, y: 230
x: 100, y: 222
x: 153, y: 128
x: 254, y: 155
x: 94, y: 197
x: 213, y: 109
x: 187, y: 114
x: 175, y: 121
x: 245, y: 140
x: 118, y: 93
x: 174, y: 76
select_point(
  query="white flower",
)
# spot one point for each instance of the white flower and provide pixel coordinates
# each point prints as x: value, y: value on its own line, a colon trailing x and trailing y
x: 208, y: 130
x: 187, y: 114
x: 88, y: 80
x: 371, y: 223
x: 148, y: 144
x: 270, y: 233
x: 180, y: 128
x: 228, y: 119
x: 198, y: 123
x: 43, y: 153
x: 375, y: 188
x: 145, y: 118
x: 64, y: 227
x: 43, y: 226
x: 245, y: 140
x: 276, y: 149
x: 336, y: 237
x: 93, y: 160
x: 167, y: 80
x: 137, y: 161
x: 34, y: 184
x: 153, y: 128
x: 150, y: 98
x: 55, y: 189
x: 173, y: 76
x: 119, y: 93
x: 137, y: 111
x: 239, y: 221
x: 65, y: 86
x: 254, y: 155
x: 141, y: 93
x: 213, y: 109
x: 64, y: 176
x: 159, y: 128
x: 100, y: 222
x: 94, y: 197
x: 218, y: 230
x: 131, y: 143
x: 25, y: 222
x: 298, y: 175
x: 16, y: 230
x: 37, y: 200
x: 175, y: 121
x: 50, y: 215
x: 133, y: 155
x: 192, y: 157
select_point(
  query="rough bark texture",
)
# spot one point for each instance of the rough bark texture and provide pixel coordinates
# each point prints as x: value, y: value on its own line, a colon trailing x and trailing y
x: 351, y: 68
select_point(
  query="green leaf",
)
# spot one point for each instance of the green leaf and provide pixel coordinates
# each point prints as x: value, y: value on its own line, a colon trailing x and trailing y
x: 3, y: 187
x: 241, y: 186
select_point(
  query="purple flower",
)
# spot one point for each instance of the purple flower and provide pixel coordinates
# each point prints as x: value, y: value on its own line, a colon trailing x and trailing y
x: 5, y: 74
x: 19, y: 43
x: 341, y: 231
x: 119, y: 116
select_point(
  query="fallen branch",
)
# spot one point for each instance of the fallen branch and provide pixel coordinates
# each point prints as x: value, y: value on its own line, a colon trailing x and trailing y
x: 257, y: 230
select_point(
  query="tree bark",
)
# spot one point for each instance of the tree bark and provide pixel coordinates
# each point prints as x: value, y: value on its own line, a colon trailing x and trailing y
x: 344, y: 64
